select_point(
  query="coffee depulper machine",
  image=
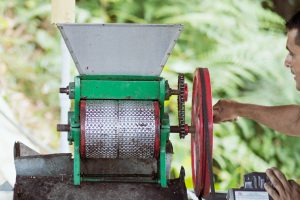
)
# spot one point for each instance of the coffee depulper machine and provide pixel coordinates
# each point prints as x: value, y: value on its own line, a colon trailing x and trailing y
x: 118, y: 125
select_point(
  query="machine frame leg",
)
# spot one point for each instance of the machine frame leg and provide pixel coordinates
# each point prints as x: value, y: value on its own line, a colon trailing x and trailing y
x: 164, y: 136
x: 76, y: 169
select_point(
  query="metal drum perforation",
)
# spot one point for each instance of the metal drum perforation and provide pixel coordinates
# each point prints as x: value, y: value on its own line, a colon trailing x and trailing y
x: 119, y: 129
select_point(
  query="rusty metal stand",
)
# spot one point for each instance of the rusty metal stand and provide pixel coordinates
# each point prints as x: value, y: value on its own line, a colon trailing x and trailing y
x: 50, y: 177
x: 46, y: 187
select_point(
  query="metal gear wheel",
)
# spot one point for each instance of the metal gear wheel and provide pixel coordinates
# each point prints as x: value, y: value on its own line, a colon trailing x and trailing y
x: 181, y: 106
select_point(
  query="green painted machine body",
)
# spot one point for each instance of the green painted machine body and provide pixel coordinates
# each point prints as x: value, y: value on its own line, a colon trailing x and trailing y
x: 91, y: 87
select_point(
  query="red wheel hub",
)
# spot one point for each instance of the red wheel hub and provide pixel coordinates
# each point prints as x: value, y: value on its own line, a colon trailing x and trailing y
x: 202, y: 101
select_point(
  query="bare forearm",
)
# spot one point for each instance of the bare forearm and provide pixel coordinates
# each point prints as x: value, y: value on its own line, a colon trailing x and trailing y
x: 285, y: 119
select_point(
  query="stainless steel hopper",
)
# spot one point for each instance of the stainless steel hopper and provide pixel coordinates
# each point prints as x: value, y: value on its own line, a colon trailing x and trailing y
x: 120, y: 49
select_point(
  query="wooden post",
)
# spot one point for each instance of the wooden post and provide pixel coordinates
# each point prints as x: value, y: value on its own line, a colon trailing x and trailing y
x: 63, y: 11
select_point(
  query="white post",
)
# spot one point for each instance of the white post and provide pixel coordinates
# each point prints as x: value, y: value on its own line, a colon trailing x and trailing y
x: 63, y: 11
x: 64, y: 98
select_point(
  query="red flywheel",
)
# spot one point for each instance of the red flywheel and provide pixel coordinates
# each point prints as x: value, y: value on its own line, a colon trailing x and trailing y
x: 202, y: 135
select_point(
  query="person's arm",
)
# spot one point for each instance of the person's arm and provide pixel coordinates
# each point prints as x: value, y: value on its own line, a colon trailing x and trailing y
x: 285, y: 119
x: 281, y: 189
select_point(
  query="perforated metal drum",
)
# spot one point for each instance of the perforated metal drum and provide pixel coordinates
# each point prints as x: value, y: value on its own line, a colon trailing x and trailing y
x: 119, y: 129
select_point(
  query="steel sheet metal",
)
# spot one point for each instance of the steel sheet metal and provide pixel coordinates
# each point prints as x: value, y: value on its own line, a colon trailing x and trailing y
x: 118, y: 129
x: 120, y: 49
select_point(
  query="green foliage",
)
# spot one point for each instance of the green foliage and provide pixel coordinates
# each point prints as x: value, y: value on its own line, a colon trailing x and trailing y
x: 29, y: 66
x: 242, y: 44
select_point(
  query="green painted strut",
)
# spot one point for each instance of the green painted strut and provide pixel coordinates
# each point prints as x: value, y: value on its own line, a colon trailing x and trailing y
x: 164, y: 136
x: 76, y: 169
x: 110, y: 89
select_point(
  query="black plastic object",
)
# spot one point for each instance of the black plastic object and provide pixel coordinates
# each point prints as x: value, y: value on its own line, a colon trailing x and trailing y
x: 256, y: 180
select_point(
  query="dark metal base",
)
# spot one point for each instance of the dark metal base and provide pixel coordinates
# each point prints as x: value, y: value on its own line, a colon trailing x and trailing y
x: 217, y: 196
x: 50, y: 177
x: 36, y: 188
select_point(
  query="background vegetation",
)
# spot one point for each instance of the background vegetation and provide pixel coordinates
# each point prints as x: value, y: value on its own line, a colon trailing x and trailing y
x: 241, y: 42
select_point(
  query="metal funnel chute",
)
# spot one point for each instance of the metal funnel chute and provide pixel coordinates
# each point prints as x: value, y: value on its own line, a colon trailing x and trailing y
x: 120, y: 49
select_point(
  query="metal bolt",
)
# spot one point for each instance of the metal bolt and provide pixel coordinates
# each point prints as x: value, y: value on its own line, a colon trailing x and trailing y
x: 64, y: 90
x: 63, y: 127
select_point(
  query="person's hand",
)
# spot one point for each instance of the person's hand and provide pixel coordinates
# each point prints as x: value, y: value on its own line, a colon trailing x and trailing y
x: 225, y: 110
x: 282, y: 189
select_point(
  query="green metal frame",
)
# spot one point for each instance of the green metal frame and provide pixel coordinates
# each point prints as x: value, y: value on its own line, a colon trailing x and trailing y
x: 118, y: 88
x: 164, y: 136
